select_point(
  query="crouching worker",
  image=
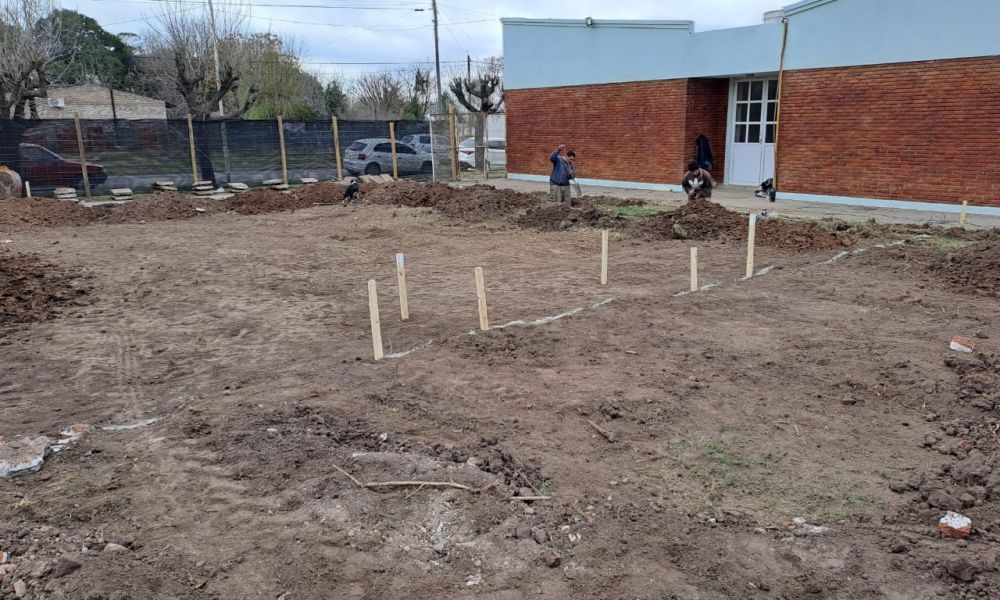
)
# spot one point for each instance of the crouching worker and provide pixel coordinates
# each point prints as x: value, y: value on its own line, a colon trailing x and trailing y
x: 697, y: 182
x: 559, y: 180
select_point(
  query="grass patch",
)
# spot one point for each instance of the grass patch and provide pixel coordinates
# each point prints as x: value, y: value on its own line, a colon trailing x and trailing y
x: 942, y: 246
x: 635, y: 211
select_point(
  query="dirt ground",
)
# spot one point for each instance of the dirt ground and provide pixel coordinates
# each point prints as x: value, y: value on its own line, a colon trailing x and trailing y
x: 797, y: 435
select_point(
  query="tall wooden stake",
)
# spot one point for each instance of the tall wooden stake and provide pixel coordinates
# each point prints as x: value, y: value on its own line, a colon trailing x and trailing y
x: 694, y: 269
x: 965, y: 211
x: 392, y: 143
x: 281, y: 143
x: 484, y: 320
x: 453, y: 135
x: 404, y: 305
x: 336, y: 149
x: 751, y: 240
x: 604, y: 257
x: 83, y: 158
x: 376, y: 324
x: 194, y: 159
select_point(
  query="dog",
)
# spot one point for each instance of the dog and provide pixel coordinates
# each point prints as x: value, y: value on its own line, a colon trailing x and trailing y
x: 766, y: 190
x: 352, y: 192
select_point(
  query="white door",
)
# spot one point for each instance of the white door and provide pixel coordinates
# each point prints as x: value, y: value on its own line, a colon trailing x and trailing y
x: 755, y: 105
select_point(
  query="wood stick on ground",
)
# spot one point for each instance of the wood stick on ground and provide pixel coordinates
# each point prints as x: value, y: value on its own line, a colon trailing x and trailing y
x: 528, y: 498
x: 608, y: 435
x: 526, y: 481
x: 377, y: 484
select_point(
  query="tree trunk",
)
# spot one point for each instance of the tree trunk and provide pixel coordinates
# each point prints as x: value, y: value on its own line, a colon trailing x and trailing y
x: 480, y: 140
x: 202, y: 151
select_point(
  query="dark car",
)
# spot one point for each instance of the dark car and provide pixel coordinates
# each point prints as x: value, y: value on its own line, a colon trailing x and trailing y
x: 43, y: 168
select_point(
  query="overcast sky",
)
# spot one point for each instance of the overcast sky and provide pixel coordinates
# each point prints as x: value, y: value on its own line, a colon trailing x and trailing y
x: 395, y: 31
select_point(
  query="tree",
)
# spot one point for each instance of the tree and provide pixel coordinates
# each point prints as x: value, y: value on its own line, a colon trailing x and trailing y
x: 481, y: 95
x: 284, y: 88
x: 380, y: 95
x: 88, y: 54
x: 334, y: 98
x: 419, y: 97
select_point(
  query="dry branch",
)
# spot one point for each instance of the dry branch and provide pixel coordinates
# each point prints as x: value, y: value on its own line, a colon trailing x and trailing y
x: 418, y: 484
x: 608, y: 435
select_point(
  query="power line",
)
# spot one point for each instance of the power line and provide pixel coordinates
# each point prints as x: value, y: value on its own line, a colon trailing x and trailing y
x: 417, y: 6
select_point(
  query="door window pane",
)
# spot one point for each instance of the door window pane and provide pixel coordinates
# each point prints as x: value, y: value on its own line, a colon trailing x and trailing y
x: 753, y: 134
x: 741, y: 112
x: 756, y: 90
x: 755, y: 109
x: 772, y: 109
x: 772, y: 89
x: 743, y: 90
x: 769, y: 135
x: 741, y: 134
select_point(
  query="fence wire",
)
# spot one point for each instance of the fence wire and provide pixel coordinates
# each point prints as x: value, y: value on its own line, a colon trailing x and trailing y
x: 137, y: 153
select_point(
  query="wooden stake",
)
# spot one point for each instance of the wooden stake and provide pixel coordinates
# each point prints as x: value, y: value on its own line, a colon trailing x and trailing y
x: 404, y: 305
x: 392, y: 143
x: 281, y: 143
x: 484, y: 320
x: 27, y: 188
x: 965, y: 209
x: 751, y: 239
x: 604, y: 257
x: 83, y: 158
x: 453, y: 135
x: 376, y: 324
x: 694, y: 269
x: 194, y: 159
x: 336, y: 149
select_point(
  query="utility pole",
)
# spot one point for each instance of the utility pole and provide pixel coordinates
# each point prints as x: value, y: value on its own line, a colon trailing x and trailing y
x: 468, y: 67
x: 218, y: 83
x: 437, y: 56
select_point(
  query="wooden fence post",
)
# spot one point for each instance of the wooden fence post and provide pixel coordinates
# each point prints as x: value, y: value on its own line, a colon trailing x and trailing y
x: 281, y: 143
x: 376, y: 323
x: 83, y: 158
x: 484, y: 320
x: 751, y: 240
x: 392, y: 143
x: 404, y: 303
x: 453, y: 135
x: 604, y: 257
x: 965, y: 214
x: 194, y: 160
x: 27, y: 188
x: 694, y: 269
x: 336, y: 149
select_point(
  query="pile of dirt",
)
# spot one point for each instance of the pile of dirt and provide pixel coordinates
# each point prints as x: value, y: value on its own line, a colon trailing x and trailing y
x: 553, y: 217
x: 706, y: 220
x: 974, y: 269
x: 31, y: 290
x: 326, y: 192
x: 483, y: 202
x: 25, y: 213
x: 412, y: 193
x: 261, y: 201
x: 162, y: 206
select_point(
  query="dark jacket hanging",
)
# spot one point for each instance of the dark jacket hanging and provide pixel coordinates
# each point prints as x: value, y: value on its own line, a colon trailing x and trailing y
x: 703, y: 153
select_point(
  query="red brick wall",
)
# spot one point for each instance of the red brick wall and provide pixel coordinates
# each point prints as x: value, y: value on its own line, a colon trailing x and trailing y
x: 621, y: 131
x: 707, y: 113
x: 919, y: 131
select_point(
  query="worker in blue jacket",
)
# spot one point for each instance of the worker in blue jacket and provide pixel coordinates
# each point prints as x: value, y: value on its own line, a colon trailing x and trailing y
x: 559, y: 189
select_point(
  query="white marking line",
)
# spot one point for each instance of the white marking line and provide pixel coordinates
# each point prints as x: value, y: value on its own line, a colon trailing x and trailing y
x: 703, y: 288
x: 836, y: 257
x: 426, y: 344
x: 136, y: 425
x: 765, y: 271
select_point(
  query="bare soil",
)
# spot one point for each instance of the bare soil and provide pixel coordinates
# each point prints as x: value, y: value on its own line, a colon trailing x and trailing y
x: 793, y: 436
x: 31, y: 290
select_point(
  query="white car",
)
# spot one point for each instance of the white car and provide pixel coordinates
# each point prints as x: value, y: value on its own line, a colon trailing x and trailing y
x: 422, y: 142
x: 373, y: 156
x: 496, y: 153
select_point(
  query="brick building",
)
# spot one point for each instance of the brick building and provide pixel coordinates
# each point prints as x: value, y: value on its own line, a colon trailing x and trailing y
x: 97, y: 102
x: 881, y: 102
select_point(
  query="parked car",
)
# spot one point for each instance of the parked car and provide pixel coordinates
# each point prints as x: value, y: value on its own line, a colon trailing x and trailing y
x: 422, y: 142
x: 373, y: 156
x: 496, y: 153
x: 44, y: 168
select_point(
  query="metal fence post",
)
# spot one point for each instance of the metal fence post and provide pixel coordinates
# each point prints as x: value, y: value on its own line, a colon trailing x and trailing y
x: 392, y: 142
x: 194, y: 159
x: 336, y: 148
x: 83, y: 158
x: 453, y: 134
x: 281, y: 143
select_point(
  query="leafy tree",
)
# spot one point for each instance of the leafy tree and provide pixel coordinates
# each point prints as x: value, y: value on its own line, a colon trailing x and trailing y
x: 90, y: 55
x: 334, y: 98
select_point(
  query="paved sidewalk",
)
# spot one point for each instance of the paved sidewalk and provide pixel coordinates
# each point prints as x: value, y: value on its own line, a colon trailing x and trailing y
x: 742, y: 199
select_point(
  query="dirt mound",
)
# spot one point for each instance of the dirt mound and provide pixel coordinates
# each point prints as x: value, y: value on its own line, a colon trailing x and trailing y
x: 553, y: 217
x: 31, y: 290
x: 162, y: 206
x: 974, y: 269
x: 484, y: 202
x: 706, y: 220
x: 497, y: 348
x: 25, y: 213
x: 324, y: 193
x: 261, y: 201
x: 412, y: 193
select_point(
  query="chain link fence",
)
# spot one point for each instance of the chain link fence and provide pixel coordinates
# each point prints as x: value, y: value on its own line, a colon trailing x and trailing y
x: 478, y: 146
x: 136, y: 154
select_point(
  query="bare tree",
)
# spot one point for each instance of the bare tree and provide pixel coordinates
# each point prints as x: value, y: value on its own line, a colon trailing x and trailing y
x: 29, y: 46
x: 481, y: 95
x: 380, y: 95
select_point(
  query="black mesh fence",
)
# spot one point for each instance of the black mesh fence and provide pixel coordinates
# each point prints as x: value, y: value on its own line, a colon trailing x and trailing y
x: 136, y: 154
